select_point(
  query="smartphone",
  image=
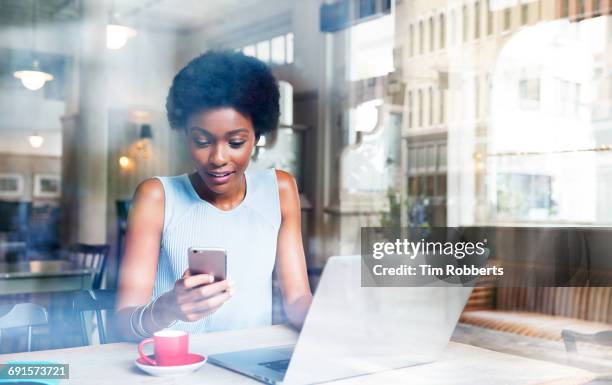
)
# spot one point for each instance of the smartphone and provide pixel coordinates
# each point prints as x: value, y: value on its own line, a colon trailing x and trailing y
x: 208, y: 260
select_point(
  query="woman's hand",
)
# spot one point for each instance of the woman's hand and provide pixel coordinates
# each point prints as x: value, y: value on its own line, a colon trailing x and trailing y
x: 196, y: 296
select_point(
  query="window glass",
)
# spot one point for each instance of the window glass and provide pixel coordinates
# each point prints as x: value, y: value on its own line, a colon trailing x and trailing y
x: 507, y: 18
x: 278, y: 50
x: 289, y: 51
x: 465, y: 22
x: 249, y: 50
x: 477, y: 20
x: 442, y: 31
x: 431, y: 34
x: 371, y: 49
x: 263, y: 51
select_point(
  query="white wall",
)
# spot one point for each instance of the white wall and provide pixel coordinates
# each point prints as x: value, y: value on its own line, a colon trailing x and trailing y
x: 139, y: 74
x: 56, y: 38
x: 28, y: 110
x: 248, y: 25
x: 17, y: 143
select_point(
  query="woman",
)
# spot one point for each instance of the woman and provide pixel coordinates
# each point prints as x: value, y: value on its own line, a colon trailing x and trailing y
x: 222, y: 102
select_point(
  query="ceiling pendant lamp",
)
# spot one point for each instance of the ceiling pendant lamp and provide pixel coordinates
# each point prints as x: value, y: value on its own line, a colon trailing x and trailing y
x: 36, y: 140
x: 33, y: 78
x: 117, y: 35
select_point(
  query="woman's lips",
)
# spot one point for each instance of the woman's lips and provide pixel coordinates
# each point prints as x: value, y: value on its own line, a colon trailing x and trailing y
x: 219, y: 177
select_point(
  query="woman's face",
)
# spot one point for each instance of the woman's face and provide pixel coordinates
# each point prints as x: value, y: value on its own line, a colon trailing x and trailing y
x: 220, y: 142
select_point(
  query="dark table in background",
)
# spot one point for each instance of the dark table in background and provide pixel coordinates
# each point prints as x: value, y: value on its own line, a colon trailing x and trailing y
x: 43, y: 277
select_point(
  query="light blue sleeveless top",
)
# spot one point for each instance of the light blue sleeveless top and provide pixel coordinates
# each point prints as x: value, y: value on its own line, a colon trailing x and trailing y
x: 248, y: 233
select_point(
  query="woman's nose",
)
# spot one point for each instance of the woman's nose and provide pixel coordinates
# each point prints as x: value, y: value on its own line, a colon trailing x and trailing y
x: 217, y: 156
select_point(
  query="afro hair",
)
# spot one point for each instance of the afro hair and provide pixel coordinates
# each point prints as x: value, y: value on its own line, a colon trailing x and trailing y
x: 222, y: 79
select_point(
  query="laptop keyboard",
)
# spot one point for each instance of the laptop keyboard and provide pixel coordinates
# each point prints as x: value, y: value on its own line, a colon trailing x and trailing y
x: 278, y: 366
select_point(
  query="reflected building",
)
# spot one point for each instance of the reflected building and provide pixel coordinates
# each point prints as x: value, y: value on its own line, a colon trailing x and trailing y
x: 507, y: 110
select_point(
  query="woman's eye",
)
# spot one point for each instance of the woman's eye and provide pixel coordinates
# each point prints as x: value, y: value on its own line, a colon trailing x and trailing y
x: 237, y: 144
x: 201, y: 143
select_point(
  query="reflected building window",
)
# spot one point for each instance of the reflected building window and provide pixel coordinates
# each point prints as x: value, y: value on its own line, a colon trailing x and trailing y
x: 529, y: 93
x: 477, y: 97
x: 442, y: 31
x: 596, y: 7
x: 411, y: 40
x: 371, y: 49
x: 289, y: 49
x: 442, y: 101
x: 442, y: 158
x: 278, y: 50
x: 524, y: 196
x: 453, y: 27
x: 488, y: 88
x: 249, y: 50
x: 421, y: 33
x: 412, y: 160
x: 564, y: 8
x: 431, y: 34
x: 427, y: 170
x: 507, y: 19
x: 275, y: 51
x: 263, y: 51
x: 524, y: 13
x: 420, y: 108
x: 477, y: 20
x: 568, y: 97
x: 580, y: 4
x: 489, y: 19
x: 410, y: 107
x: 464, y: 14
x: 431, y: 106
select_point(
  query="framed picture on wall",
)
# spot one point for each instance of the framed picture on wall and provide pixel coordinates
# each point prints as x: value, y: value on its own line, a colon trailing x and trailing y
x: 11, y: 185
x: 47, y: 186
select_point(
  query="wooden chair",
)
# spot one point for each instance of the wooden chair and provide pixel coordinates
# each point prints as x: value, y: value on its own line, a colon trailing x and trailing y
x: 23, y: 315
x: 90, y: 256
x: 96, y: 301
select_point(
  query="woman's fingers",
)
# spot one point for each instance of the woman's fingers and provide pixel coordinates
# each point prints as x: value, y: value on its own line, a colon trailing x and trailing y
x: 198, y: 302
x: 209, y: 303
x: 212, y: 289
x: 192, y: 281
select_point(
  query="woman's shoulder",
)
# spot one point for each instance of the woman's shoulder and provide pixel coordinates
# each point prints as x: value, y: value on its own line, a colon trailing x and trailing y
x: 154, y: 187
x: 151, y: 190
x: 287, y: 191
x: 285, y: 181
x: 148, y: 204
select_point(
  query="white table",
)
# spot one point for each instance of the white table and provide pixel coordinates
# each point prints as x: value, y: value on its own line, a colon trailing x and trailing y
x: 460, y: 364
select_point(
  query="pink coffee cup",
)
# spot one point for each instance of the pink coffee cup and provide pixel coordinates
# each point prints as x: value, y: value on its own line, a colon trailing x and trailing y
x: 171, y: 347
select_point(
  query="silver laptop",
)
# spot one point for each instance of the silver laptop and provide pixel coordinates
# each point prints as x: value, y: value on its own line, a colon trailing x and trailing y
x: 352, y: 330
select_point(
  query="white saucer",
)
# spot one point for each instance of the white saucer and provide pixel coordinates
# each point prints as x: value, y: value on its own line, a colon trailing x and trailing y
x: 171, y: 370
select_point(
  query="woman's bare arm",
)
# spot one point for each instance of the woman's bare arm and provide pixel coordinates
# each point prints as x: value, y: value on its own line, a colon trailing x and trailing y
x: 139, y: 263
x: 290, y: 260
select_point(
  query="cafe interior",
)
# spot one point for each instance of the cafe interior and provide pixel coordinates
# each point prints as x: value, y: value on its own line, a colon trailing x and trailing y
x: 493, y: 117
